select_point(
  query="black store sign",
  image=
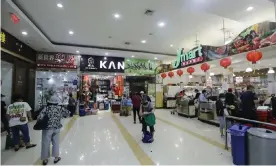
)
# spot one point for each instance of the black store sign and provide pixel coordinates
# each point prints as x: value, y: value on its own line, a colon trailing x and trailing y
x: 100, y: 64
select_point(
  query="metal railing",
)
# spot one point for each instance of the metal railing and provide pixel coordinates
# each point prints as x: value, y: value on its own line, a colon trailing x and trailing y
x: 242, y: 120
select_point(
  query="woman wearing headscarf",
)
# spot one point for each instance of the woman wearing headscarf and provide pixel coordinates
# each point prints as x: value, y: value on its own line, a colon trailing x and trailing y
x: 54, y: 113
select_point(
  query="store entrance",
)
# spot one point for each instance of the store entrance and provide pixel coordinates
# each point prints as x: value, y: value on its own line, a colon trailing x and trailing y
x: 101, y: 92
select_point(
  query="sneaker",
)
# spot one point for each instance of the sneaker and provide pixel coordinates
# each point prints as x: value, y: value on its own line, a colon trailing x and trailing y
x: 30, y: 146
x: 45, y: 162
x: 57, y: 159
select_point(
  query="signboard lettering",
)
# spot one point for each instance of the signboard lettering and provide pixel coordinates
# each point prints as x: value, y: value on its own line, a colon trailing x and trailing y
x: 56, y: 60
x: 194, y: 56
x: 99, y: 64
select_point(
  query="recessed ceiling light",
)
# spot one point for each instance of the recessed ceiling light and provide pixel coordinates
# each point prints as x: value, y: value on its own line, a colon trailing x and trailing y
x: 161, y: 24
x: 116, y: 15
x: 106, y: 53
x: 143, y: 41
x: 132, y: 56
x: 77, y: 51
x: 59, y: 5
x: 105, y: 58
x: 24, y: 33
x: 171, y: 45
x: 250, y: 8
x: 155, y: 58
x: 71, y: 32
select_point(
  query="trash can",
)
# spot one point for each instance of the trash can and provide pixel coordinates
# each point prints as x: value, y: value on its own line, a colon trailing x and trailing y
x: 261, y: 145
x: 238, y: 143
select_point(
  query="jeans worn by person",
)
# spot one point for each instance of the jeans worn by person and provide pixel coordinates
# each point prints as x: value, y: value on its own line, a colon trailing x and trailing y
x: 51, y: 134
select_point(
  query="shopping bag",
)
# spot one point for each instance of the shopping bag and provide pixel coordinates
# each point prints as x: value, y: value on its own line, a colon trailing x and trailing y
x: 41, y: 124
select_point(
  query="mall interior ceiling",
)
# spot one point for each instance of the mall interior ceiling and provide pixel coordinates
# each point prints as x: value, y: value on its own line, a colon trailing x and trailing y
x: 129, y: 28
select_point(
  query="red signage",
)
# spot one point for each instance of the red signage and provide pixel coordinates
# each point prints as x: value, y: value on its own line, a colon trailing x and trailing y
x: 56, y: 60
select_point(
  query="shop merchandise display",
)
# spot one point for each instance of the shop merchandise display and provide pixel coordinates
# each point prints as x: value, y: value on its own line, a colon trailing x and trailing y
x: 59, y: 83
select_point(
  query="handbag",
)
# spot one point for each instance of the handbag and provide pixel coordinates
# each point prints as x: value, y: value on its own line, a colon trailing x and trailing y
x: 41, y: 124
x: 23, y: 119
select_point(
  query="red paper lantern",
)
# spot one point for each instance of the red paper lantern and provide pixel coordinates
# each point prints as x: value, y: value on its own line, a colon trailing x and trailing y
x: 179, y: 72
x: 254, y: 56
x: 225, y: 62
x: 170, y: 74
x: 190, y: 70
x: 205, y: 67
x: 163, y: 75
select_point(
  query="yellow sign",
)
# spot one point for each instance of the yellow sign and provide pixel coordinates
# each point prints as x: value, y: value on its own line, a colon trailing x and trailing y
x: 3, y: 37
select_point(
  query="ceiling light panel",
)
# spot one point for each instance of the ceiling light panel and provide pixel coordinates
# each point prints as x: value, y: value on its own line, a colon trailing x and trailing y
x: 250, y: 8
x: 71, y: 32
x: 116, y: 15
x: 24, y: 33
x: 161, y: 24
x: 59, y: 5
x: 143, y: 41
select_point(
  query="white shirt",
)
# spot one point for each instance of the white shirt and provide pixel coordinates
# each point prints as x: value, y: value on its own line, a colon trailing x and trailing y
x: 202, y: 98
x: 17, y: 110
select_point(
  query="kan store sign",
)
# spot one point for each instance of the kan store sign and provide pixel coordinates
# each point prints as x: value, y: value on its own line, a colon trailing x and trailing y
x: 91, y: 63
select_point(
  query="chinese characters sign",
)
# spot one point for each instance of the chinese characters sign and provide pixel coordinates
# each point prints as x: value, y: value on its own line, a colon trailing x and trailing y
x: 3, y: 37
x: 56, y: 60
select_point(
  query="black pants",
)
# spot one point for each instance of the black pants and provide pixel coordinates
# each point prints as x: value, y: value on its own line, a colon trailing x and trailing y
x: 5, y: 123
x: 144, y: 126
x: 72, y: 110
x: 136, y: 111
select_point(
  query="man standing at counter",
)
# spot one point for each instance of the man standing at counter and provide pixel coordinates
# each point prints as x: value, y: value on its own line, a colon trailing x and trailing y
x: 248, y: 99
x: 202, y: 96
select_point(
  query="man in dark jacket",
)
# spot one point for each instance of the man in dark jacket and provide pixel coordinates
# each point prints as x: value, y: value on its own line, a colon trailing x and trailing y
x: 231, y: 102
x: 248, y: 99
x: 136, y: 101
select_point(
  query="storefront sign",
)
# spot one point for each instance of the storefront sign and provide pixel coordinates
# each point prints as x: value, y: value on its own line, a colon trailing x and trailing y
x: 140, y: 66
x: 102, y: 64
x: 14, y: 45
x: 192, y: 57
x: 56, y: 60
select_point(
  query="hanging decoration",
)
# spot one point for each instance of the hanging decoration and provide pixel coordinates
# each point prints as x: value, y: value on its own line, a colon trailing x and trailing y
x: 205, y: 67
x: 163, y: 75
x: 191, y: 70
x: 170, y: 74
x: 254, y: 56
x: 179, y: 72
x: 225, y: 62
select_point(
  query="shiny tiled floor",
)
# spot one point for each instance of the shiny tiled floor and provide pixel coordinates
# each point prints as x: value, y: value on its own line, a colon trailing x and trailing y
x: 173, y: 146
x: 23, y: 156
x: 96, y: 139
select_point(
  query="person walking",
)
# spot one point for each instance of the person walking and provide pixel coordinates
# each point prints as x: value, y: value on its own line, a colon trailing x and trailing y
x: 18, y: 114
x: 71, y: 105
x: 220, y: 108
x: 136, y: 101
x: 4, y: 119
x: 54, y: 113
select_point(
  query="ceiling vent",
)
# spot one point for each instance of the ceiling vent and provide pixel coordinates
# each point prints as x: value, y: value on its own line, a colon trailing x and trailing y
x: 149, y: 12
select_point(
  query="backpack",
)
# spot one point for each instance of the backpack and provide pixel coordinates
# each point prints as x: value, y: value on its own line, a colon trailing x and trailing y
x: 147, y: 137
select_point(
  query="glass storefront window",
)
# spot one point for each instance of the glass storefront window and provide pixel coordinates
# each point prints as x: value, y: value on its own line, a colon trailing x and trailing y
x: 58, y: 83
x: 6, y: 81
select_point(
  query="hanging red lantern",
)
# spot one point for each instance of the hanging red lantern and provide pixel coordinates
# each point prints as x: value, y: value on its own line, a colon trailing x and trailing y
x: 205, y: 67
x: 170, y: 74
x: 254, y: 56
x: 179, y: 72
x: 190, y: 70
x: 163, y: 75
x: 225, y: 62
